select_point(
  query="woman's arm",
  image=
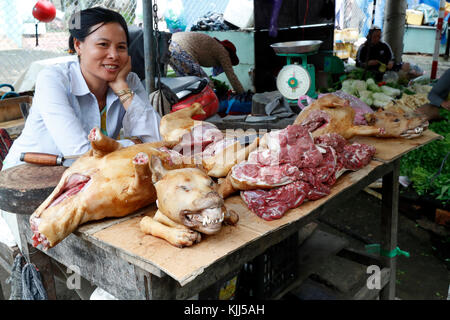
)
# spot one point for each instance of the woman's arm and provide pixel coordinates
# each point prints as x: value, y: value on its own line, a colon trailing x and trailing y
x: 141, y: 119
x: 440, y: 90
x: 52, y: 102
x: 225, y: 61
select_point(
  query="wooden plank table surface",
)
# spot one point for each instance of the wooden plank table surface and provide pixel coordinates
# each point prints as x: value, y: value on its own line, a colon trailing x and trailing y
x: 117, y: 256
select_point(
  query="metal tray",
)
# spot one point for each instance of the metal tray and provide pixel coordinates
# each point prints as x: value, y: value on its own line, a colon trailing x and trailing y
x: 297, y: 46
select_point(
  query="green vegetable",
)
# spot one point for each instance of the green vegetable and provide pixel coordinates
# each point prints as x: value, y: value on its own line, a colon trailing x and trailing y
x: 360, y: 74
x: 422, y: 165
x: 347, y: 87
x: 380, y: 99
x: 392, y: 92
x: 408, y: 92
x: 372, y: 86
x: 359, y: 85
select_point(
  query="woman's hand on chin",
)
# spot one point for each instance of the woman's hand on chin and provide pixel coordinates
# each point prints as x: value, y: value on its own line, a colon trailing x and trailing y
x: 120, y: 83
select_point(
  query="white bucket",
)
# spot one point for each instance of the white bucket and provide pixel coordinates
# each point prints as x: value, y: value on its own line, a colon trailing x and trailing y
x: 240, y: 13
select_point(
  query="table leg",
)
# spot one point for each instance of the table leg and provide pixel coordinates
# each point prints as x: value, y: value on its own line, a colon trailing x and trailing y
x: 1, y: 292
x: 155, y: 288
x: 389, y: 225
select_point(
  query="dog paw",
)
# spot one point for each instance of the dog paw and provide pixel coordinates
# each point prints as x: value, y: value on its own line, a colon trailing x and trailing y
x: 186, y: 237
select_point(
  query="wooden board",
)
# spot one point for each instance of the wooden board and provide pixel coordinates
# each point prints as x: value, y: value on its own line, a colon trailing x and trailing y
x: 10, y: 108
x: 127, y: 237
x: 13, y: 127
x: 390, y: 149
x: 24, y: 187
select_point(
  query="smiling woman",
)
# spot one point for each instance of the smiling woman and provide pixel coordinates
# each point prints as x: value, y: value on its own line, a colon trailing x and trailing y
x: 98, y: 90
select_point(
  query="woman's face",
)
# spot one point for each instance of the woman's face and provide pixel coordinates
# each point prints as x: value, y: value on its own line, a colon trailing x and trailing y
x: 103, y: 53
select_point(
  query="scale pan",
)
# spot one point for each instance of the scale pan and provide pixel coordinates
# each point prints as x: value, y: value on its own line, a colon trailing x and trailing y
x: 296, y: 46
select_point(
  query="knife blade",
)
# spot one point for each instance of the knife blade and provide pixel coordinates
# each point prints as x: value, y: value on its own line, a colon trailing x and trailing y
x: 48, y: 159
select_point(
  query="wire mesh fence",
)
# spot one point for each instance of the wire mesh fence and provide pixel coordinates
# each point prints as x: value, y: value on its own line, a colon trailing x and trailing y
x: 359, y: 14
x: 23, y: 39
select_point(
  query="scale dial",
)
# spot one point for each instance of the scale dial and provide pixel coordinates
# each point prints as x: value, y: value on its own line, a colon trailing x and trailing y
x: 293, y: 81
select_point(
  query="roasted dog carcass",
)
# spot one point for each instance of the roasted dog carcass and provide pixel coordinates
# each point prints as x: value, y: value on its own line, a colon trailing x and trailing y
x: 188, y: 205
x: 108, y: 181
x: 331, y: 114
x: 202, y: 142
x: 398, y: 124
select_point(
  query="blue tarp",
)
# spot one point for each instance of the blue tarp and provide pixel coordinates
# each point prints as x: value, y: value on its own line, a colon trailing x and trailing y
x: 366, y: 7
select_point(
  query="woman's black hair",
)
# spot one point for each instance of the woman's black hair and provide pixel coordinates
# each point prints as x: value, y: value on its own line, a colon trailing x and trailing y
x: 81, y: 22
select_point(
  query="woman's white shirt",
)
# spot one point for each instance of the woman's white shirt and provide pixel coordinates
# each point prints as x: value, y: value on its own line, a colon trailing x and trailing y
x: 64, y: 111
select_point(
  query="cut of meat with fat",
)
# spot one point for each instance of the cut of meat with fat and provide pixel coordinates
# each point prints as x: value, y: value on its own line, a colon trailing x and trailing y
x: 309, y: 183
x: 196, y: 140
x: 337, y: 142
x: 249, y: 176
x: 324, y: 173
x: 350, y: 156
x: 293, y: 145
x: 357, y: 155
x: 272, y: 204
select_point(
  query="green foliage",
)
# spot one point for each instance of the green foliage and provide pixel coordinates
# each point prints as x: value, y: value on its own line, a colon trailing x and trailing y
x: 422, y: 165
x: 360, y: 74
x: 220, y: 88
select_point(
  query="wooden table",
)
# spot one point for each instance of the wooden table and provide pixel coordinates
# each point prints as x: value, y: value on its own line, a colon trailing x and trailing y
x: 115, y: 255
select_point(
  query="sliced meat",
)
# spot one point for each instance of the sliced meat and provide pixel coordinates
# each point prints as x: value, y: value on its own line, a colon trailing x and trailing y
x: 334, y: 140
x: 248, y: 176
x: 293, y: 145
x: 357, y: 155
x: 313, y: 182
x: 217, y: 146
x: 272, y: 204
x: 324, y: 173
x: 198, y: 138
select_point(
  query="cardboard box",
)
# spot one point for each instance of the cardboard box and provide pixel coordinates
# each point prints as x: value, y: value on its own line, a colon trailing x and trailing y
x: 414, y: 17
x: 343, y: 50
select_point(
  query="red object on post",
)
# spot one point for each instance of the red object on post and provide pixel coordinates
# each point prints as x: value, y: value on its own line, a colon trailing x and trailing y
x: 207, y: 98
x: 44, y: 11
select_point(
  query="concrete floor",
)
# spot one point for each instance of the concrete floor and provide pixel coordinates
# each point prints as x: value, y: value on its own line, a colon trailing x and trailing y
x: 425, y: 61
x: 425, y: 275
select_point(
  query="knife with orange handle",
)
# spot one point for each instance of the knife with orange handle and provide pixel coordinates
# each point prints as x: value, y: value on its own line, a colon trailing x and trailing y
x: 48, y: 159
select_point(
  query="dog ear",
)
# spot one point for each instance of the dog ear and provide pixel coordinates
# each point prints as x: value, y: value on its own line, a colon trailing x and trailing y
x: 157, y: 169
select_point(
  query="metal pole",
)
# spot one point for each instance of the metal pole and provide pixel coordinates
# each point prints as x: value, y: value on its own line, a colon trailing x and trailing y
x: 373, y: 12
x: 437, y: 42
x: 148, y: 46
x: 394, y: 26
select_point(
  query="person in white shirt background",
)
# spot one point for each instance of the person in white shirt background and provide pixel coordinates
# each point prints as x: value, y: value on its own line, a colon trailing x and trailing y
x: 71, y: 98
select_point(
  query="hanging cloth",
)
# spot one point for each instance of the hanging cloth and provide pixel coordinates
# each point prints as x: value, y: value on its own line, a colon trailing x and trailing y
x: 26, y: 282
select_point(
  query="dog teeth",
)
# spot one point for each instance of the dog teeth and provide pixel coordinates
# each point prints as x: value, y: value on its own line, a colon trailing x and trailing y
x: 207, y: 220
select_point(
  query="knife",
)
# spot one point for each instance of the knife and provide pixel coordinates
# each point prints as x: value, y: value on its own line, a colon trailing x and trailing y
x: 47, y: 159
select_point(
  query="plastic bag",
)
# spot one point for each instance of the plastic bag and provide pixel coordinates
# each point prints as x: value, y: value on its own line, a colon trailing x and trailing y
x: 174, y: 16
x: 430, y: 14
x: 390, y: 76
